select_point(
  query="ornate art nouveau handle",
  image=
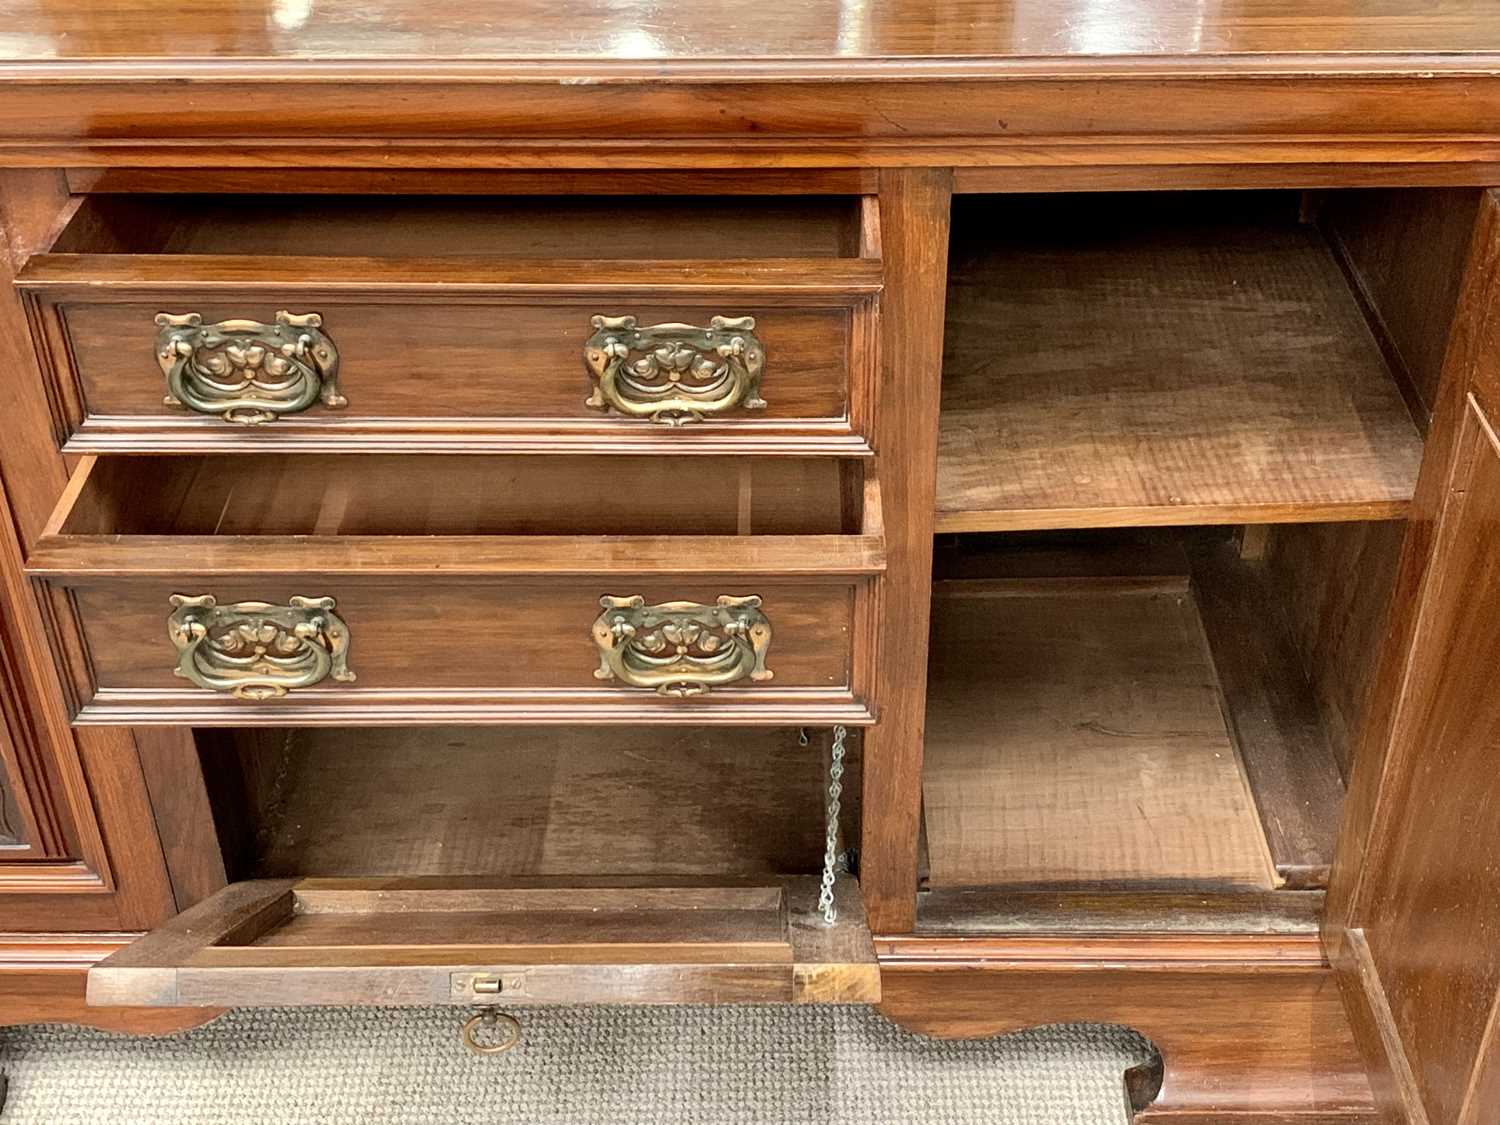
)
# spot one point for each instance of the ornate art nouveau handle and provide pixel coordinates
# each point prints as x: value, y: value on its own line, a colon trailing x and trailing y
x: 245, y: 371
x: 675, y: 373
x: 682, y: 648
x: 256, y: 651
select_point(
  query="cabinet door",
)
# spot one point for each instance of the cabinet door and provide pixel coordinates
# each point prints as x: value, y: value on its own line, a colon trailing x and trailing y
x: 80, y: 850
x: 1415, y: 906
x: 78, y: 845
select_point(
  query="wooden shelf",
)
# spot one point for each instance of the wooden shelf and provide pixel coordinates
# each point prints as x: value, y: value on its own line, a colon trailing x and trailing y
x: 529, y: 802
x: 1151, y: 732
x: 1160, y: 360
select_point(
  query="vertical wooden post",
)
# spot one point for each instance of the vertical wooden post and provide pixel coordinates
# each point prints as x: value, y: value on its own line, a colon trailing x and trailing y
x: 914, y: 206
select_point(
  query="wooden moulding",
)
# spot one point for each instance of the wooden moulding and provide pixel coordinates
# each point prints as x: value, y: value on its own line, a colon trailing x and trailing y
x: 1380, y: 110
x: 43, y: 977
x: 402, y: 942
x: 1241, y: 384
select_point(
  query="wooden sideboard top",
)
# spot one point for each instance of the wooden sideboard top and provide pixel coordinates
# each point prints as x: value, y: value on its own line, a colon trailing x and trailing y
x: 585, y: 84
x: 734, y: 36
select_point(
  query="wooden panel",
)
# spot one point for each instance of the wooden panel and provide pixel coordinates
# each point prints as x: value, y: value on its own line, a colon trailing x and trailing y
x: 459, y: 361
x: 1428, y: 911
x: 541, y: 802
x: 1373, y: 819
x: 403, y: 942
x: 914, y: 240
x: 512, y: 182
x: 181, y: 813
x: 1075, y: 738
x: 1410, y: 297
x: 1335, y: 581
x: 1167, y: 361
x: 1248, y: 1029
x: 95, y: 865
x: 1272, y: 712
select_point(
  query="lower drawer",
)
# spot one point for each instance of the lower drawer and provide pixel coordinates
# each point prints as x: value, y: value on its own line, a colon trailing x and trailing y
x: 281, y: 942
x: 484, y: 650
x: 245, y: 612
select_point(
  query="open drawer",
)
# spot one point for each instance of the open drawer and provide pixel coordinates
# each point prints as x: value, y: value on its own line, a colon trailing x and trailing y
x: 183, y: 323
x: 244, y: 589
x: 279, y: 942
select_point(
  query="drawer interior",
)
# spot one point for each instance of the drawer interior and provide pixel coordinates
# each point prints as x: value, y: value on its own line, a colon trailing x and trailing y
x: 506, y: 866
x: 389, y: 494
x: 529, y: 802
x: 522, y: 227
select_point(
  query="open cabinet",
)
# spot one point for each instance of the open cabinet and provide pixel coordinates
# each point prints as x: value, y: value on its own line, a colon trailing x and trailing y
x: 488, y: 690
x: 1214, y: 591
x: 417, y: 865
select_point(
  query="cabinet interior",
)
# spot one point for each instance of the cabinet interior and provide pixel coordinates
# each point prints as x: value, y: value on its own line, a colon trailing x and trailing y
x: 391, y: 494
x: 1179, y: 436
x: 1179, y: 433
x: 524, y: 803
x: 523, y: 227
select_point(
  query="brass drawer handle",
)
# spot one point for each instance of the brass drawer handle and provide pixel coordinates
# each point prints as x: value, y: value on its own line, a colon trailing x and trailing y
x: 490, y: 1033
x: 675, y: 373
x: 256, y: 651
x: 682, y: 648
x: 247, y: 372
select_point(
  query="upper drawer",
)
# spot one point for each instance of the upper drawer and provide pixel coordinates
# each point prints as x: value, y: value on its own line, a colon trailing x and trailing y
x: 193, y: 323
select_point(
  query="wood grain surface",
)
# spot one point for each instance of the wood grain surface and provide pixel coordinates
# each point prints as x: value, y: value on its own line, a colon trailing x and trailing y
x: 1248, y: 1029
x: 1241, y: 385
x: 1391, y: 755
x: 331, y: 941
x: 1272, y: 711
x: 720, y: 31
x: 459, y: 324
x: 539, y: 802
x: 1432, y: 886
x: 1075, y: 738
x: 914, y: 242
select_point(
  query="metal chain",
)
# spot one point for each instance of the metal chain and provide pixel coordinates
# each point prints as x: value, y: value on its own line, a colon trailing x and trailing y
x: 831, y: 842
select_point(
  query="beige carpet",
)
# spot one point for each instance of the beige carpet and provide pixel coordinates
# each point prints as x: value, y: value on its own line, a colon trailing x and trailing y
x: 576, y: 1065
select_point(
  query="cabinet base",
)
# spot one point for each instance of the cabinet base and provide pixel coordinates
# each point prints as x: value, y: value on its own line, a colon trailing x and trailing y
x: 43, y: 977
x: 1246, y: 1029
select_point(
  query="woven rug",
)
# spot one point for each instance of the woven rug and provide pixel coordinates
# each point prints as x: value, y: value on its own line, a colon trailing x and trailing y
x: 575, y: 1065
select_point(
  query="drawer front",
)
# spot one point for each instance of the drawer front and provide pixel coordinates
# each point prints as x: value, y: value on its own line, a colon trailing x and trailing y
x: 342, y: 941
x: 373, y: 650
x: 448, y: 365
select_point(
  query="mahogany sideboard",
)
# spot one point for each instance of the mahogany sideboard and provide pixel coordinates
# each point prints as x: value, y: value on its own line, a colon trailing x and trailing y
x: 989, y: 509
